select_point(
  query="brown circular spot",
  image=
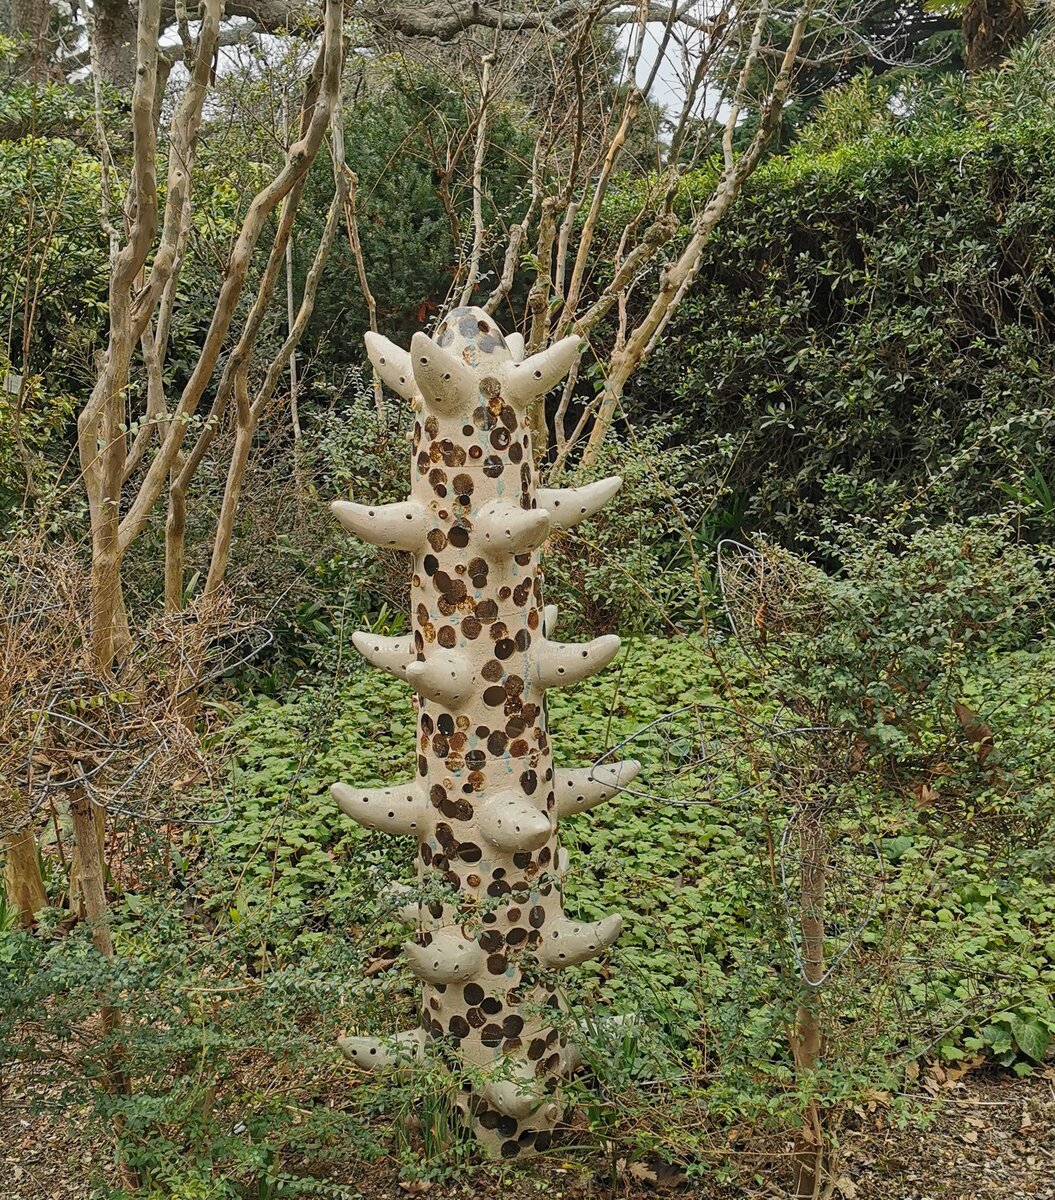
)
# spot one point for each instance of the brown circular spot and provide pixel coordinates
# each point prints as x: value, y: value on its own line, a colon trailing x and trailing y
x: 492, y: 671
x: 493, y: 697
x: 446, y: 637
x: 496, y: 964
x: 493, y: 466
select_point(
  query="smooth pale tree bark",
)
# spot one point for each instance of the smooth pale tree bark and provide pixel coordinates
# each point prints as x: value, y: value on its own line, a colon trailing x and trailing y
x: 101, y: 439
x: 23, y: 884
x: 676, y: 278
x: 141, y: 305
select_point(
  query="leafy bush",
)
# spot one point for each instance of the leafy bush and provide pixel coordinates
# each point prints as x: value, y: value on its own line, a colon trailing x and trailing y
x: 872, y: 326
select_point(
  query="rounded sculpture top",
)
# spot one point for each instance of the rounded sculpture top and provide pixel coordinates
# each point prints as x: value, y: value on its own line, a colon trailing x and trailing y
x: 472, y: 335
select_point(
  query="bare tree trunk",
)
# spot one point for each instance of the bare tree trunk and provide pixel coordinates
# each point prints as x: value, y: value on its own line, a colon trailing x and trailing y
x: 88, y: 824
x: 31, y: 19
x: 115, y: 38
x: 810, y: 1161
x: 175, y: 540
x: 22, y: 880
x: 991, y: 30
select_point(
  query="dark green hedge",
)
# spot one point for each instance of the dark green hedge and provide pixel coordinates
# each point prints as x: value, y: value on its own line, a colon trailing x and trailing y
x: 875, y: 327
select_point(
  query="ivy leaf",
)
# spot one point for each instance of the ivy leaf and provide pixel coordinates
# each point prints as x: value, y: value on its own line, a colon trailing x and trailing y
x: 1032, y: 1037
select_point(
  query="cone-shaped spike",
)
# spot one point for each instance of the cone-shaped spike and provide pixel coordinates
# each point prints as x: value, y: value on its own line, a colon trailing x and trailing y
x: 448, y: 958
x: 407, y: 907
x: 389, y: 809
x: 518, y: 1097
x: 391, y: 654
x: 570, y: 942
x: 396, y: 526
x: 561, y: 663
x: 549, y: 620
x: 401, y: 897
x: 536, y: 375
x: 447, y: 678
x: 511, y: 822
x: 443, y: 380
x: 586, y: 787
x: 515, y: 345
x: 508, y: 529
x: 569, y: 506
x: 376, y: 1054
x: 561, y: 862
x: 392, y: 364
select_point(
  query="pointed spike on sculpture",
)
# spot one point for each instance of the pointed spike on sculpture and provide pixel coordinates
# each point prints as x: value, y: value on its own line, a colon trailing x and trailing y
x: 584, y: 788
x: 387, y: 809
x: 568, y: 943
x: 535, y: 376
x: 549, y: 620
x: 515, y: 344
x: 561, y: 663
x: 391, y: 654
x: 408, y: 907
x: 392, y: 364
x: 561, y: 862
x: 445, y: 382
x: 394, y: 526
x: 569, y: 506
x: 446, y: 678
x: 401, y: 897
x: 511, y: 822
x: 516, y: 1097
x: 380, y: 1054
x: 506, y: 528
x: 448, y: 958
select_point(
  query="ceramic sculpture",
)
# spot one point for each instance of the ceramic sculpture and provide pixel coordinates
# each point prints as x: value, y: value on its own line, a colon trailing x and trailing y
x: 485, y: 801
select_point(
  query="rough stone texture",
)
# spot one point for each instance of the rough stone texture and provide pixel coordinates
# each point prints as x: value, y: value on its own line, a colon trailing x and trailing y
x: 486, y: 799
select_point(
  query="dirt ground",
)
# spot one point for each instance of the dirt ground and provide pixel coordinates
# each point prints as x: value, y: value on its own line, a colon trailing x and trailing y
x: 991, y: 1136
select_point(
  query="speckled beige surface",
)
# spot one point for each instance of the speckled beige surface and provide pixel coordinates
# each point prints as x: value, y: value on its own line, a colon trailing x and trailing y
x: 485, y: 801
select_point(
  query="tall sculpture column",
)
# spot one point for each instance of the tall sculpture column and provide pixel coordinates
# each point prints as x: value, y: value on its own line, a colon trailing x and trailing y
x: 486, y: 799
